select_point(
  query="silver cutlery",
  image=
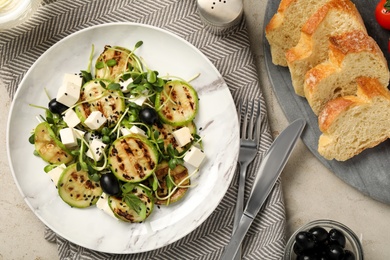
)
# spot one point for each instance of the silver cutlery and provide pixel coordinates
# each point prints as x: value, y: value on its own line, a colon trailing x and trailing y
x: 268, y: 173
x: 249, y: 143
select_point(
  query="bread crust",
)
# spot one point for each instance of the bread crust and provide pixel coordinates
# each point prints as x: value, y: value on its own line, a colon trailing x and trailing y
x: 367, y: 90
x: 333, y: 109
x: 308, y: 53
x: 278, y: 17
x: 317, y: 88
x: 370, y: 91
x: 345, y: 6
x: 353, y: 41
x: 311, y: 25
x: 283, y: 30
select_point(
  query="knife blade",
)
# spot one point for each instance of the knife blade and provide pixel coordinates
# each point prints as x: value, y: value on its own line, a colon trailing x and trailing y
x: 266, y: 177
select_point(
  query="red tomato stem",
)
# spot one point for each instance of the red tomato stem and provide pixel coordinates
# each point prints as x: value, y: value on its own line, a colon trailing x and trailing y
x: 387, y: 5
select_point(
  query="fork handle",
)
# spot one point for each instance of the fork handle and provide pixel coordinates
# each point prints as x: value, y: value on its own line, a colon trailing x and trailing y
x: 240, y: 201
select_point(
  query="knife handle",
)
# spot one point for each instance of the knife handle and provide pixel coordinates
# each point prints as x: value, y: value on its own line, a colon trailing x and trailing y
x: 237, y: 237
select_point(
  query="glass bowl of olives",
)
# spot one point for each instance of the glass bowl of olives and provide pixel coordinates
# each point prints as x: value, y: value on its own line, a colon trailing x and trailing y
x: 323, y: 239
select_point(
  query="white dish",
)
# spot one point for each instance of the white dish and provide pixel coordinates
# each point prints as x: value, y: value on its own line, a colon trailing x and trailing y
x: 92, y: 228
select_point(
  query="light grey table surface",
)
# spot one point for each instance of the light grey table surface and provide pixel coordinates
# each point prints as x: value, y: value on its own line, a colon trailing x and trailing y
x: 311, y: 191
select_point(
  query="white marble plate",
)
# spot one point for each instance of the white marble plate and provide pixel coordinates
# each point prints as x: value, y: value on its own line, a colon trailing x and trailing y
x: 92, y: 228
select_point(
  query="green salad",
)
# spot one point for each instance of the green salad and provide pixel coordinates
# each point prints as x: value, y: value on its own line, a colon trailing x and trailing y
x: 120, y: 136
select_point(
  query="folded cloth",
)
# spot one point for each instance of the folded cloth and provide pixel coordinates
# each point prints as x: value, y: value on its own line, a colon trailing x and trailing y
x: 231, y: 55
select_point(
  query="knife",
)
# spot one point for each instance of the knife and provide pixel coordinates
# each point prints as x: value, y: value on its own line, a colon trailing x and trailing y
x: 269, y: 171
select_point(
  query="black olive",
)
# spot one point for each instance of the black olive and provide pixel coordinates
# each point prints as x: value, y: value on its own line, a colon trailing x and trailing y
x: 305, y: 240
x: 148, y: 115
x: 336, y: 237
x: 320, y: 234
x: 321, y: 250
x: 307, y: 257
x: 319, y: 244
x: 297, y: 249
x: 336, y: 252
x: 110, y: 184
x: 348, y: 255
x: 56, y: 107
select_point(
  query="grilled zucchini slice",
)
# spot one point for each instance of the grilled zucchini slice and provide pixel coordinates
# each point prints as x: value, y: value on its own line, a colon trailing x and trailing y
x: 95, y: 97
x: 132, y: 158
x: 76, y: 189
x: 49, y: 147
x: 123, y: 212
x: 177, y: 104
x: 178, y: 175
x: 166, y: 131
x: 113, y: 62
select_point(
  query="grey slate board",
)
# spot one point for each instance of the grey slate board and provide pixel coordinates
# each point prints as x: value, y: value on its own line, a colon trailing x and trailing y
x: 369, y: 172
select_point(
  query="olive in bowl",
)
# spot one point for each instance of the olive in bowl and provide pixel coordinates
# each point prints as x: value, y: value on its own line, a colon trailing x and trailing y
x: 324, y: 239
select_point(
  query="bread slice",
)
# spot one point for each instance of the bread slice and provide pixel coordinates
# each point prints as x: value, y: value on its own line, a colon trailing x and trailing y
x: 352, y: 54
x: 352, y: 124
x: 333, y: 18
x: 284, y: 29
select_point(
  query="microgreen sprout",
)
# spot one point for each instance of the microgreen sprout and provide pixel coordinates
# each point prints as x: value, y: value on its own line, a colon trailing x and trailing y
x: 113, y: 68
x: 176, y: 186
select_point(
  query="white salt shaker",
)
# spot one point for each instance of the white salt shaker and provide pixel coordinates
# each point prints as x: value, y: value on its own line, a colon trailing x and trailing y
x: 220, y: 16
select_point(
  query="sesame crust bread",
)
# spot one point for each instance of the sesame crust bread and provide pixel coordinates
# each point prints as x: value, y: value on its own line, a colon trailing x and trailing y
x: 352, y: 54
x: 352, y: 124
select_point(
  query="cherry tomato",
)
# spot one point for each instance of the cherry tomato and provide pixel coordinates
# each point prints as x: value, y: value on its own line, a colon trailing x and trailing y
x: 382, y: 14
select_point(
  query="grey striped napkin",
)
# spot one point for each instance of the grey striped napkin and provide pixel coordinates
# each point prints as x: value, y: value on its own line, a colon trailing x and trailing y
x: 230, y: 53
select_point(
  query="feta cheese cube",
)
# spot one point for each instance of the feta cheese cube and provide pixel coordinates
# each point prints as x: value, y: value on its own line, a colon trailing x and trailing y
x: 78, y: 133
x: 56, y: 172
x: 68, y: 95
x: 68, y: 137
x: 133, y: 130
x: 194, y: 156
x: 74, y: 79
x: 182, y: 136
x: 71, y: 118
x: 125, y: 131
x: 90, y: 136
x: 95, y: 120
x: 69, y: 92
x: 124, y: 85
x: 102, y: 204
x: 136, y: 130
x: 139, y: 100
x: 96, y: 150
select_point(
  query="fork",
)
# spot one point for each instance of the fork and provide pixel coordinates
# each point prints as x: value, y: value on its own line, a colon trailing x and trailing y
x: 249, y: 143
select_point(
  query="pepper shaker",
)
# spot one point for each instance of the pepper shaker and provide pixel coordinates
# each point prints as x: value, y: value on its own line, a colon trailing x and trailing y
x: 220, y: 16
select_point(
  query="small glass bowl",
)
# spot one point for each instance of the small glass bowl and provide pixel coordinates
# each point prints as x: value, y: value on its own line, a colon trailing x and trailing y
x: 16, y: 12
x: 352, y: 241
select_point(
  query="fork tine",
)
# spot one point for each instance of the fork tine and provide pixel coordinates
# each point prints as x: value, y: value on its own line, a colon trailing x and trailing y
x: 251, y: 121
x: 244, y: 122
x: 258, y: 123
